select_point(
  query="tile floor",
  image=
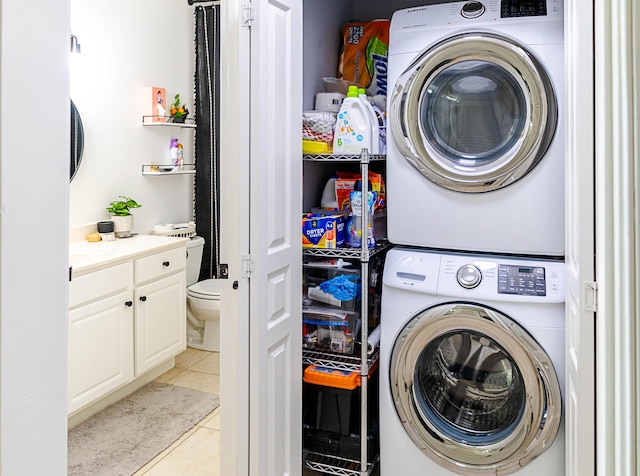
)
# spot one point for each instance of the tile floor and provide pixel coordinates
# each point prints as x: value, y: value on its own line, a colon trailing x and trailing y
x: 197, y: 452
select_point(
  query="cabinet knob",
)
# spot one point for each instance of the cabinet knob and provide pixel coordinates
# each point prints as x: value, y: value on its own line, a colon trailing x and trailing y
x: 166, y: 264
x: 143, y: 298
x: 128, y: 303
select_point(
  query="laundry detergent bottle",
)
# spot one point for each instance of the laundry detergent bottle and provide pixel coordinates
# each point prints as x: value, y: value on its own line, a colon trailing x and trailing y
x: 375, y: 128
x: 361, y: 204
x: 353, y: 126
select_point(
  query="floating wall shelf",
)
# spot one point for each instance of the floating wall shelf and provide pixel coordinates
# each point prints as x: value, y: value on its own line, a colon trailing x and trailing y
x: 157, y: 170
x: 166, y: 121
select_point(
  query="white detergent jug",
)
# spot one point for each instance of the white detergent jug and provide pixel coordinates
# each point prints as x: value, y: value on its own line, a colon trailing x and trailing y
x: 353, y: 126
x: 375, y: 128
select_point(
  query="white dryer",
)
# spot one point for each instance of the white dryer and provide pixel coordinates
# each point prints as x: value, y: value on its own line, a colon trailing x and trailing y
x: 471, y: 365
x: 475, y: 110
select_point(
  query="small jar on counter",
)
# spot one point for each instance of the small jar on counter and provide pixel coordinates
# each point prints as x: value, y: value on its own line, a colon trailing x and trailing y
x: 105, y: 228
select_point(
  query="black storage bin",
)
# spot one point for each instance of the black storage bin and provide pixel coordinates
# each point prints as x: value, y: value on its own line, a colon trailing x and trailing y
x: 331, y: 414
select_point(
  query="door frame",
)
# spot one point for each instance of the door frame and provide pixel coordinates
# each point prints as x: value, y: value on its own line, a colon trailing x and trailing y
x: 234, y: 240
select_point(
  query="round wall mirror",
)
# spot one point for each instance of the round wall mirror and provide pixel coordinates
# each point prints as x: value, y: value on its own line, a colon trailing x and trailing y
x: 77, y: 141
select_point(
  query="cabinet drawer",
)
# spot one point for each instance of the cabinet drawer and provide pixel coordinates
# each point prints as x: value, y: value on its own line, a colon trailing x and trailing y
x: 160, y: 264
x: 104, y: 282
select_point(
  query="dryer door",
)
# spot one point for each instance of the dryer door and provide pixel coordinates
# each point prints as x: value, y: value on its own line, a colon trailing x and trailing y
x: 473, y: 389
x: 474, y: 113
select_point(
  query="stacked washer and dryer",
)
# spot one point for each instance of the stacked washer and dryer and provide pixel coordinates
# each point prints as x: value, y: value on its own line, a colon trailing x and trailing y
x: 472, y: 326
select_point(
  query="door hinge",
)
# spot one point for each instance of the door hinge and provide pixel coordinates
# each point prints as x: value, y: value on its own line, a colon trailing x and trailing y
x: 248, y: 15
x: 591, y: 295
x: 247, y: 266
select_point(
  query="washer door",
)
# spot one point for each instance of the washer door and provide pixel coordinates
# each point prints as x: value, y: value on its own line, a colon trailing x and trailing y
x: 474, y: 113
x: 474, y: 390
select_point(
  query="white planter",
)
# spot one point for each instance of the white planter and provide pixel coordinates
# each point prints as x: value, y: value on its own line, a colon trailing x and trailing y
x: 122, y: 225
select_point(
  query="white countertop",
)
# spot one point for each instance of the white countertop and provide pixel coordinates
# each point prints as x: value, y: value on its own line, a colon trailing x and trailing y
x: 85, y: 256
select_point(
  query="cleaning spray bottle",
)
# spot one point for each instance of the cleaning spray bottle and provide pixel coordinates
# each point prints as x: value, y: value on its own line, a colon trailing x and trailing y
x: 353, y: 126
x: 354, y: 227
x: 375, y: 128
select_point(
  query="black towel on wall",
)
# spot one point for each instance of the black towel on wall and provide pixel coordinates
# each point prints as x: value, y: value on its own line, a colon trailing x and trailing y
x: 207, y: 146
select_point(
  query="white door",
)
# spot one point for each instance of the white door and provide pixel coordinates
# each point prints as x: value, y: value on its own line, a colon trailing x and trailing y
x: 275, y: 333
x: 580, y: 372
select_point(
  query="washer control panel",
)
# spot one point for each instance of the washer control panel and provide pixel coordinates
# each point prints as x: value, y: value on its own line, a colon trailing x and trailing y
x: 472, y: 277
x: 521, y: 280
x: 469, y: 276
x: 523, y: 8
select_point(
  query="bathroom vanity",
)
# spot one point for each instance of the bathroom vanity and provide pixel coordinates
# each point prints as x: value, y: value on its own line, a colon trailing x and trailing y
x: 127, y: 320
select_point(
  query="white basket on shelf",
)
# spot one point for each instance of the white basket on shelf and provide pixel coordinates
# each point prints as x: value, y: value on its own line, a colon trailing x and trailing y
x: 179, y: 230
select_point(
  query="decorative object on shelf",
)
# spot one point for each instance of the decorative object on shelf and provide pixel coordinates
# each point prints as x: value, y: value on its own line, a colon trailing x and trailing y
x: 121, y: 215
x: 178, y: 111
x: 158, y: 104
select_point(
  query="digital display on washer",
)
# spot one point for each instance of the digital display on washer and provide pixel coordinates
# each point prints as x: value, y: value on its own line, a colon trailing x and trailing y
x: 523, y: 8
x: 521, y: 280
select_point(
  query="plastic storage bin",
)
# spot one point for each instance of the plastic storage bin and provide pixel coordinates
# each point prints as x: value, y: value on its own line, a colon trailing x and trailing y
x: 329, y: 330
x: 331, y: 412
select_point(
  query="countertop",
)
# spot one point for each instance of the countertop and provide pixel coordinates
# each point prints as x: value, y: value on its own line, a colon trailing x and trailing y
x: 85, y: 256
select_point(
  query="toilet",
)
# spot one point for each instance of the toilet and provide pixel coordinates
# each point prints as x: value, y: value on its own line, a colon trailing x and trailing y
x: 203, y: 302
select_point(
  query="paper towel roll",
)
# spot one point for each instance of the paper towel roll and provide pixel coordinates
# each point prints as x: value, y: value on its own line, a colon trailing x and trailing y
x: 373, y: 340
x: 329, y: 101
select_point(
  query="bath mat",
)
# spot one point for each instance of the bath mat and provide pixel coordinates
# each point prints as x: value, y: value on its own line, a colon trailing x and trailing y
x: 127, y: 435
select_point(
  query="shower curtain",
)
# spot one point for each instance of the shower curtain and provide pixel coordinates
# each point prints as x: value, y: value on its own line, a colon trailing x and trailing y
x: 207, y: 145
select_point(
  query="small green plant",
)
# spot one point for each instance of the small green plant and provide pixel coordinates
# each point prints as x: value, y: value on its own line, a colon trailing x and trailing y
x: 178, y: 110
x: 121, y: 207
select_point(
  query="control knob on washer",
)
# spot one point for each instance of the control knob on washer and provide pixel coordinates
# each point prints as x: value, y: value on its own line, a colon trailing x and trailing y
x: 472, y: 10
x: 469, y: 276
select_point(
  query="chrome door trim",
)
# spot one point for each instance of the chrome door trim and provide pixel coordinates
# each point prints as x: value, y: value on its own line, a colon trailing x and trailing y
x: 540, y: 421
x: 529, y: 73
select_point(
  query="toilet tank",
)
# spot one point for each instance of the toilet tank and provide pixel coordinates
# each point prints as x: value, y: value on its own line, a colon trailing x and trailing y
x: 194, y: 259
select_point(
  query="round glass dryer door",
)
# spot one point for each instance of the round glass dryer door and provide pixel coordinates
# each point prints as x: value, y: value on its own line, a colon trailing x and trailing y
x: 473, y: 389
x: 474, y: 113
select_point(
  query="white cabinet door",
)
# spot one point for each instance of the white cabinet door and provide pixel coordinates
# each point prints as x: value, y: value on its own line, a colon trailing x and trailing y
x: 275, y: 426
x: 100, y: 349
x: 160, y: 328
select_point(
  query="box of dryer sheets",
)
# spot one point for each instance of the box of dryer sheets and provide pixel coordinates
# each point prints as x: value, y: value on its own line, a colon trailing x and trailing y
x: 323, y: 231
x: 363, y: 59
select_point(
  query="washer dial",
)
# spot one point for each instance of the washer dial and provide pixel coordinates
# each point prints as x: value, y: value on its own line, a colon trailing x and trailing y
x: 469, y: 276
x: 472, y: 9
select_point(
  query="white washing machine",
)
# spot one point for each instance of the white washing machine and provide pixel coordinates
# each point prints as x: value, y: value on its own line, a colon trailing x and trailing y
x: 475, y: 99
x: 471, y: 365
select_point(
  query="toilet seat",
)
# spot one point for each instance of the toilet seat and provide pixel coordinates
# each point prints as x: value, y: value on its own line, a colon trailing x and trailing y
x: 207, y: 289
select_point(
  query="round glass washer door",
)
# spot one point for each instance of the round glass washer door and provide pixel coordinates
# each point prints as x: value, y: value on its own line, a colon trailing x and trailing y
x: 473, y: 389
x: 474, y: 113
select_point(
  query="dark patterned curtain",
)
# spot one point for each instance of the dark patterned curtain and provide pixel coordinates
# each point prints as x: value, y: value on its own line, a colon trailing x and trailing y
x: 207, y: 147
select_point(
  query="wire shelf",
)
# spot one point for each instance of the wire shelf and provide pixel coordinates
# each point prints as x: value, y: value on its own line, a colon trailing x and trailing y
x: 352, y: 253
x: 335, y: 465
x: 340, y: 158
x: 351, y: 363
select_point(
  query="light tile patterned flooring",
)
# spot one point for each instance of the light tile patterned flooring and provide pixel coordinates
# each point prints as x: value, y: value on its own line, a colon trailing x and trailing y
x: 197, y: 452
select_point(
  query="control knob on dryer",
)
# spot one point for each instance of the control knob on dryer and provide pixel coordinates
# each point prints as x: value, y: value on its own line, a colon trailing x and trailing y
x: 469, y: 276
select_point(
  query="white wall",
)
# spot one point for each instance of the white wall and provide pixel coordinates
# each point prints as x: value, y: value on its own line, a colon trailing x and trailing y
x: 127, y: 46
x: 34, y: 152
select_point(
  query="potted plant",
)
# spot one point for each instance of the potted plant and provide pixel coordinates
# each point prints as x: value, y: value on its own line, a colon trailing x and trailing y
x: 121, y: 215
x: 179, y: 112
